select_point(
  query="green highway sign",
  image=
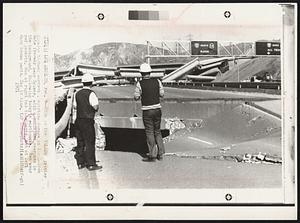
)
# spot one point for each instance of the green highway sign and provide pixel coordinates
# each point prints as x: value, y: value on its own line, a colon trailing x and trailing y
x: 267, y: 48
x: 204, y: 47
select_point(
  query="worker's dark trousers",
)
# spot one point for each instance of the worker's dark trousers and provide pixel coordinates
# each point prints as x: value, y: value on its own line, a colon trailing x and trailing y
x: 85, y: 134
x: 152, y: 120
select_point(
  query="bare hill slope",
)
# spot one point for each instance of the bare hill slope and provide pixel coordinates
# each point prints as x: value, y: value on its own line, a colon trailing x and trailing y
x: 257, y: 66
x: 110, y: 55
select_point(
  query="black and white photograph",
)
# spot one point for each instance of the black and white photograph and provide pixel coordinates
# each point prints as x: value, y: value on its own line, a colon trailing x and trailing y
x: 151, y: 106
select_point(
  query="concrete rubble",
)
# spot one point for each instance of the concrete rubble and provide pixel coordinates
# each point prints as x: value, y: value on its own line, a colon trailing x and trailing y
x: 100, y: 137
x: 65, y: 145
x: 246, y: 158
x: 176, y: 124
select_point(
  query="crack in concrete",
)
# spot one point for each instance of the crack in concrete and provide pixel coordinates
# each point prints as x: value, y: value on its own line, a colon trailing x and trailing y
x: 246, y: 158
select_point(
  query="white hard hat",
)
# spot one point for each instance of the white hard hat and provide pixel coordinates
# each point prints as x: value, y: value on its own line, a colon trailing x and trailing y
x: 87, y: 77
x: 145, y: 68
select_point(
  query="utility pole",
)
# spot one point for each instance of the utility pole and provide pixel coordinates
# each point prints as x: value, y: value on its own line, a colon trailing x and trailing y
x: 148, y: 52
x: 238, y: 71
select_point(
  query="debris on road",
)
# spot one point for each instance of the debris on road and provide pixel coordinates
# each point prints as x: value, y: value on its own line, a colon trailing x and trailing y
x: 178, y: 127
x: 65, y: 145
x: 224, y: 149
x: 100, y: 137
x: 246, y: 158
x: 174, y: 124
x: 259, y: 158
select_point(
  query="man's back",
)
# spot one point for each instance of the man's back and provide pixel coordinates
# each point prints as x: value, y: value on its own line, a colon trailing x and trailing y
x: 84, y: 108
x: 150, y: 91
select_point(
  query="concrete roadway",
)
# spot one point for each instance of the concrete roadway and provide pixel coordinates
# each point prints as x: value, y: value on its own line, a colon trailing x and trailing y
x: 185, y: 169
x: 123, y: 170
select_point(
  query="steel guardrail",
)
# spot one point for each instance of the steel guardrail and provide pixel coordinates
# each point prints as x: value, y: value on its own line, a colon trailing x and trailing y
x: 242, y: 85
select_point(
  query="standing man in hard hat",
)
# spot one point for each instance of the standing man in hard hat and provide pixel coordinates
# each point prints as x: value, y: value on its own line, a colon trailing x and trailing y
x: 150, y: 90
x: 86, y: 105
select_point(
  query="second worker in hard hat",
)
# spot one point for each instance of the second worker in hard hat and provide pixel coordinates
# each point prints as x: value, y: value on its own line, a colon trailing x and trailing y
x: 86, y: 105
x: 150, y: 90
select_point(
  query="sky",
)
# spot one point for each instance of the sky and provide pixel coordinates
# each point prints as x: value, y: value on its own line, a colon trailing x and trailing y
x: 76, y: 26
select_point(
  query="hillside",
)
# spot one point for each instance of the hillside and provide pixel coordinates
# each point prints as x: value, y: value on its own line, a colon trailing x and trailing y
x: 110, y: 55
x: 257, y: 66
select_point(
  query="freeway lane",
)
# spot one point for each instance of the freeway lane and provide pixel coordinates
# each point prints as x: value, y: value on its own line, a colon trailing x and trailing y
x: 194, y: 154
x: 126, y: 171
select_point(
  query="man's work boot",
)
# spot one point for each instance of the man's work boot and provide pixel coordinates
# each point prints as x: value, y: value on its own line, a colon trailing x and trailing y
x: 80, y: 166
x: 94, y: 167
x: 160, y: 157
x: 149, y: 159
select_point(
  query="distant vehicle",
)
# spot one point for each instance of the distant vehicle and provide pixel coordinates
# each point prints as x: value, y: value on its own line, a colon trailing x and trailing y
x: 255, y: 79
x: 262, y: 76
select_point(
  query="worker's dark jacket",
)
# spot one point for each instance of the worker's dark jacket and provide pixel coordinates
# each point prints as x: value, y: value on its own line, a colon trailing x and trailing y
x: 84, y: 109
x: 150, y: 92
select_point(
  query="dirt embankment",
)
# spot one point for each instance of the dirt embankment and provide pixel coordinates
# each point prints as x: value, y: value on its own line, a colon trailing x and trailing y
x: 257, y: 67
